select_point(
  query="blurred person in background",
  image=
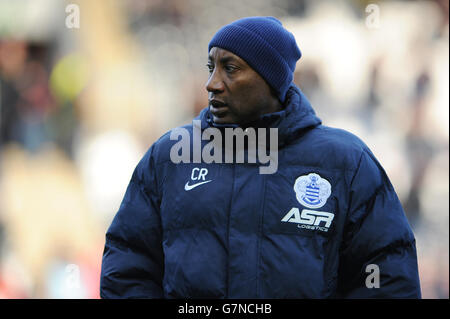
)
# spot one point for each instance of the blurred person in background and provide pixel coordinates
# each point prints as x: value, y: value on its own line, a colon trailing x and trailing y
x: 310, y: 230
x: 27, y: 102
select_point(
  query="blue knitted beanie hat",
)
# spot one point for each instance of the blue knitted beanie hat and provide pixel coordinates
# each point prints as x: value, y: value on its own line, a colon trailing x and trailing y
x: 265, y: 45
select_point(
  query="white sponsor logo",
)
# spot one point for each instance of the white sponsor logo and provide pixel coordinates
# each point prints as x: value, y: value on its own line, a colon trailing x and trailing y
x: 198, y: 174
x: 309, y: 219
x: 188, y: 187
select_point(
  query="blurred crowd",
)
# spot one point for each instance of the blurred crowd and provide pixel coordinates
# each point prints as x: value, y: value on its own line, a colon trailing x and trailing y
x: 80, y: 104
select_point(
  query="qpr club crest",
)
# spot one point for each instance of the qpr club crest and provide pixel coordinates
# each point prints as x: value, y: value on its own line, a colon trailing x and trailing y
x: 312, y: 191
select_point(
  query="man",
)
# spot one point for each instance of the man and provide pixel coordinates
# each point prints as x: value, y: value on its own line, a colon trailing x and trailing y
x: 326, y: 223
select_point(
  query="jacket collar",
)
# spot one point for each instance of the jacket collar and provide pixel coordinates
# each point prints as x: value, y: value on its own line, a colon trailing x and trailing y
x: 296, y: 116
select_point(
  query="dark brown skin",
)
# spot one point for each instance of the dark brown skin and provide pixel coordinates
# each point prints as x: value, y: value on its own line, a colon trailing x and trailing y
x: 237, y: 94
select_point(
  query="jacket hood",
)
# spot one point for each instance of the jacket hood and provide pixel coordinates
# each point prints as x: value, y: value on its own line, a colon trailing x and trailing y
x: 296, y: 116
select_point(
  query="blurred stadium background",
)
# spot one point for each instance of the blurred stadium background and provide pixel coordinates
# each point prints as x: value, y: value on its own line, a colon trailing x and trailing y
x: 80, y: 106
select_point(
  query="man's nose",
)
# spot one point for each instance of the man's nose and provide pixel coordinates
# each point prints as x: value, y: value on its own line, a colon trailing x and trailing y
x: 215, y: 83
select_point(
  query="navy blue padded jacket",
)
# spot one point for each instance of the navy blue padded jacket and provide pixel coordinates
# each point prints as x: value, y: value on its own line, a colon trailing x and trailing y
x: 313, y: 229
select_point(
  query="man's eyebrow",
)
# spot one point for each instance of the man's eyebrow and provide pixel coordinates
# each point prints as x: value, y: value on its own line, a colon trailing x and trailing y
x: 224, y: 59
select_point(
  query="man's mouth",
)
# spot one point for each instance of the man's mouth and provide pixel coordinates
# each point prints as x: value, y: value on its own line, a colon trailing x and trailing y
x: 218, y: 108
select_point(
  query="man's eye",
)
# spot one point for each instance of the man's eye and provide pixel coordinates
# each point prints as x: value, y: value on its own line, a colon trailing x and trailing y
x: 230, y: 68
x: 210, y: 68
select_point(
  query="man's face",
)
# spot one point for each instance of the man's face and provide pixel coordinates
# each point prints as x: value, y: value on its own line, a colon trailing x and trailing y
x: 237, y: 93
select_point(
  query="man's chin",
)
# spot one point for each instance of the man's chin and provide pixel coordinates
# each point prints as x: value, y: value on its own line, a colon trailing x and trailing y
x: 223, y: 120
